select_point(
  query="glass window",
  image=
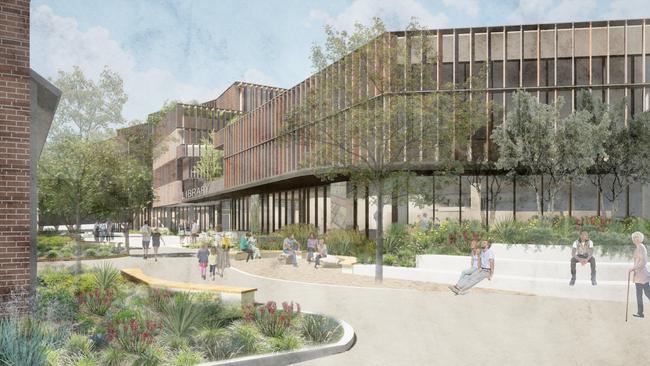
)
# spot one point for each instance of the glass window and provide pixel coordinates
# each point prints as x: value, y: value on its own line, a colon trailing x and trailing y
x: 462, y: 74
x: 546, y: 72
x: 582, y: 70
x: 447, y: 74
x: 496, y: 74
x: 617, y: 96
x: 530, y: 73
x: 478, y: 72
x: 616, y: 69
x: 636, y: 101
x: 598, y: 70
x: 496, y: 119
x: 564, y: 76
x: 512, y: 74
x: 567, y: 106
x: 634, y: 69
x: 547, y: 97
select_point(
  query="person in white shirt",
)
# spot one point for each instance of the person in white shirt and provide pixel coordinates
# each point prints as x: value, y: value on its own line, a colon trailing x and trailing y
x: 640, y: 270
x: 474, y: 252
x: 145, y: 230
x: 195, y: 231
x: 583, y: 252
x: 485, y: 270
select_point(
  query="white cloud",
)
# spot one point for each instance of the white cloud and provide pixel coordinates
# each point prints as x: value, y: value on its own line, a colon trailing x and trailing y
x: 393, y: 12
x: 256, y: 76
x: 622, y: 9
x: 59, y: 44
x: 534, y: 11
x: 469, y: 7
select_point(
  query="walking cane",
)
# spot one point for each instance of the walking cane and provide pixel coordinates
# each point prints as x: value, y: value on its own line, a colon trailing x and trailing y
x: 627, y: 299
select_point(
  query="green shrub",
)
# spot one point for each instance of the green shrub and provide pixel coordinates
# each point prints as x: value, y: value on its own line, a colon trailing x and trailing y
x: 218, y: 315
x: 106, y: 277
x: 300, y: 231
x: 151, y: 356
x: 396, y: 238
x: 215, y: 343
x: 270, y: 242
x: 113, y: 356
x: 348, y: 242
x: 320, y: 329
x: 134, y: 335
x: 90, y: 253
x: 80, y: 345
x: 244, y: 339
x: 390, y: 259
x: 22, y: 344
x: 186, y: 357
x: 48, y: 242
x: 159, y: 298
x: 286, y: 342
x: 96, y: 301
x: 181, y: 315
x: 52, y: 254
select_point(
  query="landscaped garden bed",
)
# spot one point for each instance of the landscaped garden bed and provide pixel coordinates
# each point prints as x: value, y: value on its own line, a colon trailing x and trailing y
x: 96, y: 318
x: 63, y: 247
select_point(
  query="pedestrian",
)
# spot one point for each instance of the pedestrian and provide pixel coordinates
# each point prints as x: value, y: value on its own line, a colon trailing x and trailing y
x: 195, y: 231
x: 203, y: 255
x: 312, y: 243
x: 583, y: 252
x: 111, y: 234
x: 485, y: 270
x: 245, y: 247
x: 425, y: 224
x: 252, y: 244
x: 474, y: 252
x: 288, y: 248
x: 640, y: 269
x: 213, y: 259
x: 102, y: 232
x: 223, y: 252
x: 145, y: 230
x: 156, y: 237
x: 96, y: 232
x: 322, y: 252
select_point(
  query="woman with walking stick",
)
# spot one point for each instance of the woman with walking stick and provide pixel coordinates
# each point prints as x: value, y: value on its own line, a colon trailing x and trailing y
x: 641, y: 274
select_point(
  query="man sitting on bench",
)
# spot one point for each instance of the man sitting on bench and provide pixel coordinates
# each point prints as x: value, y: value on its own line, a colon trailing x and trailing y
x: 583, y: 252
x: 289, y: 246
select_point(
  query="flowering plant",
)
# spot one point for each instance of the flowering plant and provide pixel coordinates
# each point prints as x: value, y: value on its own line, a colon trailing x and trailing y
x: 270, y: 320
x: 96, y: 301
x: 134, y: 334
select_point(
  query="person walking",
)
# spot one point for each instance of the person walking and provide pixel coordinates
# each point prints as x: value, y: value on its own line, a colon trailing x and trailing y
x: 474, y: 253
x: 583, y: 252
x: 96, y: 232
x: 203, y: 255
x: 244, y: 246
x: 111, y: 232
x: 195, y: 231
x: 102, y: 232
x: 145, y: 230
x: 485, y: 270
x: 641, y: 274
x: 223, y: 254
x: 213, y: 259
x: 312, y: 244
x: 322, y: 252
x: 156, y: 237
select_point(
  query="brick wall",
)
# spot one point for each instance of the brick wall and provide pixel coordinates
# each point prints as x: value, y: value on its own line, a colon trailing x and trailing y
x: 14, y: 149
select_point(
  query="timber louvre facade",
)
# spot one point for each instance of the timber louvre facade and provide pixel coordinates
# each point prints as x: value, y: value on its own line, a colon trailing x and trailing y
x: 609, y: 58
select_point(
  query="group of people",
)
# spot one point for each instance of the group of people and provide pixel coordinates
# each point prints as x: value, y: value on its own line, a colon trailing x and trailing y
x: 151, y: 236
x: 217, y: 257
x: 582, y: 251
x: 316, y: 249
x: 104, y: 231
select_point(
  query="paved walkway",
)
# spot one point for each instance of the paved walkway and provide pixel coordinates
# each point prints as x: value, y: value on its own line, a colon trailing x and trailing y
x: 423, y: 327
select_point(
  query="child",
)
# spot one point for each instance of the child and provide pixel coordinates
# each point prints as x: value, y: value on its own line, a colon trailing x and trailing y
x: 203, y: 255
x: 212, y: 260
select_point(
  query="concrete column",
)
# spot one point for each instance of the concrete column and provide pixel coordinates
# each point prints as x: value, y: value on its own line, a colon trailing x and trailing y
x: 475, y: 203
x: 254, y: 213
x: 341, y: 206
x: 224, y: 214
x: 645, y: 201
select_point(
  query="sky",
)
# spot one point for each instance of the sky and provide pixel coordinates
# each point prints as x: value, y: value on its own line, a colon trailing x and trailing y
x: 192, y: 50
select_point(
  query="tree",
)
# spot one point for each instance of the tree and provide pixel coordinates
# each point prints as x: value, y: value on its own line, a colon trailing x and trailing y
x: 536, y: 142
x: 362, y: 124
x: 209, y: 166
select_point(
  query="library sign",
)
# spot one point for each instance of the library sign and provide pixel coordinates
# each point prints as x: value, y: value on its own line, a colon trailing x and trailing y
x: 197, y: 191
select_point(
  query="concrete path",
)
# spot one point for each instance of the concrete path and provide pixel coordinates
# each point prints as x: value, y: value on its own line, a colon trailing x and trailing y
x: 413, y: 327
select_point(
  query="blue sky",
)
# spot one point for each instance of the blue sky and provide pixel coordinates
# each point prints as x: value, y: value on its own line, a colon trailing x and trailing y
x: 194, y: 49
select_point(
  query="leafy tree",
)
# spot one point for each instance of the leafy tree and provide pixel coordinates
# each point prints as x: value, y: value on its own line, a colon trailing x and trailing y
x: 209, y: 166
x: 536, y: 142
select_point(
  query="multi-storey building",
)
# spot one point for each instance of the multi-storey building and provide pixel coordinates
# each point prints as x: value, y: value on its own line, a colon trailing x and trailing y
x: 266, y: 183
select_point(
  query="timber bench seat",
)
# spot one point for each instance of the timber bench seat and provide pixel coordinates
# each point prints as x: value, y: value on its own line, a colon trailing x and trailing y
x: 245, y: 295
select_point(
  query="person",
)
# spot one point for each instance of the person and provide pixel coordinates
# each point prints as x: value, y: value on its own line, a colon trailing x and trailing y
x: 223, y: 253
x: 245, y: 247
x: 583, y: 252
x: 474, y: 253
x: 145, y: 230
x: 213, y: 259
x: 312, y: 243
x: 156, y: 237
x: 96, y: 232
x: 109, y: 230
x: 181, y: 233
x: 102, y: 232
x: 195, y: 231
x: 203, y: 255
x: 640, y: 269
x: 322, y: 252
x: 288, y: 246
x: 252, y: 244
x: 485, y: 270
x: 425, y: 224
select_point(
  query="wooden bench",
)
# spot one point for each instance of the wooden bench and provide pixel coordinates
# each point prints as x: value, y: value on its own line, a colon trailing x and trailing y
x: 244, y: 295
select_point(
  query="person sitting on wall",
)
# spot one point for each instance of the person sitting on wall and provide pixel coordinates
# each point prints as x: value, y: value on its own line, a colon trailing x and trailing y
x: 244, y: 246
x: 474, y: 252
x: 288, y: 247
x: 322, y: 252
x: 485, y: 270
x: 583, y: 252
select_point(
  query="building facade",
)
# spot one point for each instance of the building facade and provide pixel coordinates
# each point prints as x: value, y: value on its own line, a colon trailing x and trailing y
x: 268, y: 181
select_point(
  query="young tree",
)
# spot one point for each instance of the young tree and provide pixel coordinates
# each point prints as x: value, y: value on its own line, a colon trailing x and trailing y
x: 536, y: 142
x: 209, y: 166
x: 361, y: 122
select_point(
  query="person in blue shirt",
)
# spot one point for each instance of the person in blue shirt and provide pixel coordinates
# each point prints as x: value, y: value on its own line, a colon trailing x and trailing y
x: 244, y: 246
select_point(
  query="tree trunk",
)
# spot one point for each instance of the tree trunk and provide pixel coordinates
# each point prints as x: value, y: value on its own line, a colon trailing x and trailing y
x: 77, y: 236
x: 126, y: 236
x: 379, y: 260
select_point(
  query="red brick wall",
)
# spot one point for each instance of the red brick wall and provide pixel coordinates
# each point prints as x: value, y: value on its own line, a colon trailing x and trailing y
x: 14, y: 148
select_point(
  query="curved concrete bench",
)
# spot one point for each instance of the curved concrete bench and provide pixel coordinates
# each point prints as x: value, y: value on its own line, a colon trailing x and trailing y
x: 244, y: 295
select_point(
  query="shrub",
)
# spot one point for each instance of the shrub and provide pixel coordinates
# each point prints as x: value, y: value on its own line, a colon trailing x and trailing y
x: 91, y: 253
x: 52, y: 254
x: 215, y: 343
x: 113, y: 356
x: 320, y: 329
x: 186, y: 357
x: 286, y: 342
x: 348, y: 242
x: 390, y: 259
x: 106, y: 277
x: 97, y: 301
x: 22, y: 344
x: 270, y: 320
x: 244, y: 339
x: 152, y: 356
x: 158, y: 298
x: 299, y: 231
x: 269, y: 242
x: 135, y: 334
x: 218, y: 315
x: 181, y: 315
x: 80, y: 345
x: 395, y: 238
